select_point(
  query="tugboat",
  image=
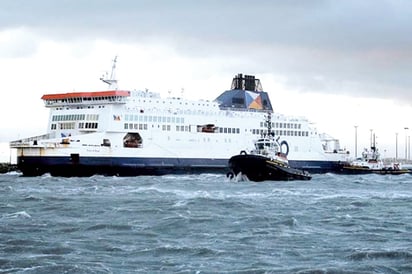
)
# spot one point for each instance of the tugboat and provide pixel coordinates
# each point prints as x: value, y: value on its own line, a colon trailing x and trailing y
x: 265, y: 162
x: 370, y: 162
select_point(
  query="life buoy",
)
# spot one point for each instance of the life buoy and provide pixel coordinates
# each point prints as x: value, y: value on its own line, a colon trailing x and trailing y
x: 243, y: 152
x: 287, y: 147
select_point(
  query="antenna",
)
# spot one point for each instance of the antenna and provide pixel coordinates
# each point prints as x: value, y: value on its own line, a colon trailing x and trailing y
x: 112, y: 82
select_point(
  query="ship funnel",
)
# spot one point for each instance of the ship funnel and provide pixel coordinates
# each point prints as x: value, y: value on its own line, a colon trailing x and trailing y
x: 247, y: 82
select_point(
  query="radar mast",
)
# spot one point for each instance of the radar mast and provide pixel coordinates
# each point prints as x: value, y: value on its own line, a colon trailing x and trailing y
x: 112, y: 82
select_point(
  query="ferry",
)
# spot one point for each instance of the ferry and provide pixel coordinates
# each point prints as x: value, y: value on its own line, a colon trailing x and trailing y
x: 138, y: 132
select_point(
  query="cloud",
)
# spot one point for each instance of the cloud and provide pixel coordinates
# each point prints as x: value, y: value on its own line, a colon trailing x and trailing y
x: 17, y: 44
x: 361, y: 48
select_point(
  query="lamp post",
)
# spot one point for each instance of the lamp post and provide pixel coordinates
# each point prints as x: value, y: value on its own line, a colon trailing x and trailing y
x: 406, y: 143
x: 372, y: 144
x: 356, y: 142
x: 396, y: 147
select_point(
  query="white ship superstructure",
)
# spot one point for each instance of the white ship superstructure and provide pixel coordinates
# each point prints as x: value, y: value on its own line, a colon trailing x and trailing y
x: 121, y: 132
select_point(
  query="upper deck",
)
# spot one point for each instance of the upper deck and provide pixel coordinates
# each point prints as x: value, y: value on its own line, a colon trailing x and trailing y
x: 86, y: 98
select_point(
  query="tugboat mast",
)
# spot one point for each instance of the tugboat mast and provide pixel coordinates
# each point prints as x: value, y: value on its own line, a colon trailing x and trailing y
x: 112, y: 82
x: 269, y: 124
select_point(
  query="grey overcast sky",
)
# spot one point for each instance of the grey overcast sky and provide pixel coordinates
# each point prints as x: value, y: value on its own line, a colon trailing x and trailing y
x: 353, y: 50
x: 356, y: 47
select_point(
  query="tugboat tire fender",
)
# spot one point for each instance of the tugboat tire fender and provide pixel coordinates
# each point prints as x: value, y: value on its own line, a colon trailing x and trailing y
x: 287, y: 147
x: 230, y: 175
x: 243, y: 152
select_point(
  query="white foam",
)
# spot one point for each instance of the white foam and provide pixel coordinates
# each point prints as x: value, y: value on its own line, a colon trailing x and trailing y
x: 16, y: 215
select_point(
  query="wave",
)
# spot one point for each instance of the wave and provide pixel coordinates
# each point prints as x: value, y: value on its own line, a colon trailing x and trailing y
x: 16, y: 215
x: 109, y: 227
x: 385, y: 254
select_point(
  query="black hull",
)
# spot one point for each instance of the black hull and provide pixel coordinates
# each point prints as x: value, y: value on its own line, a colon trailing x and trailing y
x: 258, y: 168
x: 89, y: 166
x: 348, y: 170
x: 121, y: 166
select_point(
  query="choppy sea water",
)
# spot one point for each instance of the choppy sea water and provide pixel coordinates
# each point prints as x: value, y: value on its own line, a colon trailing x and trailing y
x: 205, y: 224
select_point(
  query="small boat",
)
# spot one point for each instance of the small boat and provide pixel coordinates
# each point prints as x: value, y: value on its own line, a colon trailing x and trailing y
x: 370, y: 162
x: 265, y: 162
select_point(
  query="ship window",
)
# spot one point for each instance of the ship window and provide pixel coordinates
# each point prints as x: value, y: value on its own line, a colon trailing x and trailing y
x: 154, y: 119
x: 168, y: 127
x: 229, y: 130
x: 238, y: 130
x: 238, y: 101
x: 126, y: 126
